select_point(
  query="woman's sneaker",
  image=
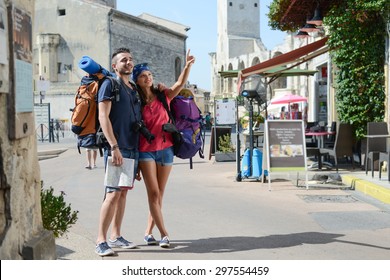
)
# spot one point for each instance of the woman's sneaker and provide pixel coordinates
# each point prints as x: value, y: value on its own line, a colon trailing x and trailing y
x: 102, y: 249
x: 150, y: 240
x: 120, y: 242
x: 164, y: 243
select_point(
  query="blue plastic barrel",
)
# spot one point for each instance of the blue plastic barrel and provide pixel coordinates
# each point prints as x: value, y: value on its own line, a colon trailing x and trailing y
x: 257, y: 161
x: 246, y: 164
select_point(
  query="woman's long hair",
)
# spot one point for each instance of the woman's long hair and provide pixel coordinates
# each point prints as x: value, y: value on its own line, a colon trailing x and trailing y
x: 142, y: 94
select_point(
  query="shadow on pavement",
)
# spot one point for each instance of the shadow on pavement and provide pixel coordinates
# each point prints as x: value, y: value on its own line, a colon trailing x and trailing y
x: 245, y: 243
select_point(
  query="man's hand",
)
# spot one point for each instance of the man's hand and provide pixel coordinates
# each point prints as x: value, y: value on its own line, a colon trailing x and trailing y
x: 117, y: 158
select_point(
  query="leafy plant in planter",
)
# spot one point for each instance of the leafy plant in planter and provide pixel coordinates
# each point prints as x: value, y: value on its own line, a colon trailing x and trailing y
x: 225, y: 144
x: 57, y: 216
x: 226, y: 150
x: 244, y: 120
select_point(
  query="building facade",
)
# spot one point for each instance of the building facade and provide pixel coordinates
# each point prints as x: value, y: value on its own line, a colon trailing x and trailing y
x: 66, y: 30
x: 239, y: 46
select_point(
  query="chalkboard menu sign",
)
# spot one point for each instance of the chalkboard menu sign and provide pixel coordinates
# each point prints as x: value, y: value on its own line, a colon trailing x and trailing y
x: 285, y: 144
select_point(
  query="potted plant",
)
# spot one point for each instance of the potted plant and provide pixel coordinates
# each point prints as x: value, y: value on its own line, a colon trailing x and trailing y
x: 257, y: 120
x: 226, y: 151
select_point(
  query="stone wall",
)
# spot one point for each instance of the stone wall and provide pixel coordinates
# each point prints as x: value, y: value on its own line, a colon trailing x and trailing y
x: 21, y: 232
x: 151, y: 43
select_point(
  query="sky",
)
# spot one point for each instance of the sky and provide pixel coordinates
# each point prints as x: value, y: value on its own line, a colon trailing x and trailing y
x: 201, y: 17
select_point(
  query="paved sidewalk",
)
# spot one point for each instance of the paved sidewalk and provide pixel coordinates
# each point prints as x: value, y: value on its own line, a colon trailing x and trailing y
x: 211, y: 216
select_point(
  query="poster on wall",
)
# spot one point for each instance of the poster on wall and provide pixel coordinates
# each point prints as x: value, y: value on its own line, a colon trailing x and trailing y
x: 20, y: 55
x: 285, y: 144
x: 3, y: 38
x: 22, y: 39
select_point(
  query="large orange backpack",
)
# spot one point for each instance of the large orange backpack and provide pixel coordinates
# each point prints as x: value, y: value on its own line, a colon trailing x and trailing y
x: 85, y: 122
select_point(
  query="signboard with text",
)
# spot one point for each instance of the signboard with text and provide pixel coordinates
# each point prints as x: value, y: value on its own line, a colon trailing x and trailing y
x: 285, y: 144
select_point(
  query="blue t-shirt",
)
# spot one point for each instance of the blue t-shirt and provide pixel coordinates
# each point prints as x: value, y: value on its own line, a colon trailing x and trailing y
x: 124, y: 114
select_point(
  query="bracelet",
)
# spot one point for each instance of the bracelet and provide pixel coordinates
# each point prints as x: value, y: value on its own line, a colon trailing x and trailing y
x: 114, y: 147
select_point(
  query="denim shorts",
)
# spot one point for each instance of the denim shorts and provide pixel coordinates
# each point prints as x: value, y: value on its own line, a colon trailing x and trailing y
x: 126, y: 153
x: 162, y: 157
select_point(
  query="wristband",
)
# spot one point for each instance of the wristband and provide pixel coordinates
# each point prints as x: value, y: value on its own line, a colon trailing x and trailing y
x: 114, y: 147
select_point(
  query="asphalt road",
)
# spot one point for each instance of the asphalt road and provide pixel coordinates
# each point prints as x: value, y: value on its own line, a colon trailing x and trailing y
x: 210, y: 216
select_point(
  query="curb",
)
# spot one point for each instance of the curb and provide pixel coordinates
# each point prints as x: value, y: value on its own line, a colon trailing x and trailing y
x: 48, y: 154
x: 374, y: 190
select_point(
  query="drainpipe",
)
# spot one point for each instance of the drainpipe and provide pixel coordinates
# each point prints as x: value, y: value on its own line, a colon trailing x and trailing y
x: 109, y: 36
x: 387, y: 73
x: 330, y: 99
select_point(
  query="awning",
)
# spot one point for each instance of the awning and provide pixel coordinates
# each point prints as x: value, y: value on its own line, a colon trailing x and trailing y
x: 296, y: 57
x: 229, y: 74
x: 279, y: 71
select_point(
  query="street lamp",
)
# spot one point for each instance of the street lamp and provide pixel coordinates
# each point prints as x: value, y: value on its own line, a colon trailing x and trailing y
x: 253, y: 88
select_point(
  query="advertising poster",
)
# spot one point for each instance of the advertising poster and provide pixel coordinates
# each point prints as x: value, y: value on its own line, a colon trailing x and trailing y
x: 285, y: 144
x: 22, y: 29
x: 3, y: 38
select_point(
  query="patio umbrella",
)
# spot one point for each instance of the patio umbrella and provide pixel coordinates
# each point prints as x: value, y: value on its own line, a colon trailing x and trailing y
x: 288, y: 99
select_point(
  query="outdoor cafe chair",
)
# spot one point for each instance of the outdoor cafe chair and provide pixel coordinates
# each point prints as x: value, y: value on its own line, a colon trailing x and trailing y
x: 384, y: 156
x: 343, y: 146
x: 375, y: 145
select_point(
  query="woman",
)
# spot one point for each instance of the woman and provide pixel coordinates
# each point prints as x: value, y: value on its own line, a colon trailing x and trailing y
x: 156, y: 156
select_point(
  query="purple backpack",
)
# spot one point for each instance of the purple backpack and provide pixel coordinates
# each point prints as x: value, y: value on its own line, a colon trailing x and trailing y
x: 188, y: 121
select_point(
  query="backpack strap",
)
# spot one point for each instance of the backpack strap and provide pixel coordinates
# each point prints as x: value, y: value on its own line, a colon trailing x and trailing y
x: 162, y: 98
x: 115, y: 89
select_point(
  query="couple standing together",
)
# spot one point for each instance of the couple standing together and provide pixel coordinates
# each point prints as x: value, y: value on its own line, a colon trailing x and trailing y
x: 138, y: 106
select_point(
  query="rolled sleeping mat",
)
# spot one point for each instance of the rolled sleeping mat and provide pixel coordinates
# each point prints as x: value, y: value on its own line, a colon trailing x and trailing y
x: 91, y: 66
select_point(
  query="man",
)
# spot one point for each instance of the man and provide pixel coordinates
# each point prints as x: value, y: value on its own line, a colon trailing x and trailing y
x: 91, y: 154
x: 118, y: 119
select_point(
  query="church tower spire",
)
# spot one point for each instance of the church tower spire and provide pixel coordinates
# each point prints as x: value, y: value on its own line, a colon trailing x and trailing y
x: 238, y: 21
x: 240, y: 17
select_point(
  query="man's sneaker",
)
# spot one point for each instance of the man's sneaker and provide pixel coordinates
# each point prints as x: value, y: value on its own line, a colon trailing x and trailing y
x: 120, y: 242
x: 164, y: 243
x: 102, y: 249
x: 149, y: 239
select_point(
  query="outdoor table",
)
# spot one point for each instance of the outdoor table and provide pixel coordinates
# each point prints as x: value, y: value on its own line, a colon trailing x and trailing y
x: 320, y: 136
x: 320, y: 139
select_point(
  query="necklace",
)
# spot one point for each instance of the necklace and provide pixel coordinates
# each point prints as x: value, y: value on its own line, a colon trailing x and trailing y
x: 149, y: 99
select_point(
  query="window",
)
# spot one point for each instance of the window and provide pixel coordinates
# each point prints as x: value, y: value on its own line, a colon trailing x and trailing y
x: 61, y: 12
x: 255, y: 5
x: 59, y: 67
x: 230, y: 4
